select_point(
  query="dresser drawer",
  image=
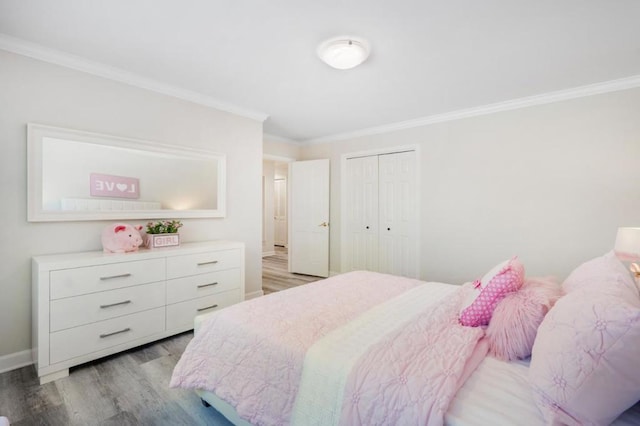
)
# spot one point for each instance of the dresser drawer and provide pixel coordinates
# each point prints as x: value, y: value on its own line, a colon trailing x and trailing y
x: 181, y: 289
x: 91, y: 279
x: 181, y: 315
x: 200, y: 263
x: 80, y: 310
x: 74, y: 342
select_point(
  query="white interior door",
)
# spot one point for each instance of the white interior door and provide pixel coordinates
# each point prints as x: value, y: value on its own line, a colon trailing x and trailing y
x: 398, y: 210
x: 309, y: 217
x: 362, y: 214
x: 280, y: 212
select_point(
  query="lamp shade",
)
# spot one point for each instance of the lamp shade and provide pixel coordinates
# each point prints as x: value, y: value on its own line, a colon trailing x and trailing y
x: 628, y: 243
x: 344, y: 52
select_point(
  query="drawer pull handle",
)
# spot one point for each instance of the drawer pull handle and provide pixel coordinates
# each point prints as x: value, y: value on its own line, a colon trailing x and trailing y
x: 115, y: 276
x: 124, y: 330
x: 208, y: 307
x: 213, y: 262
x: 207, y: 285
x: 115, y: 304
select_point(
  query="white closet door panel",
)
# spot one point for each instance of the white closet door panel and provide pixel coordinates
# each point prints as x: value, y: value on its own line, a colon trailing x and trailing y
x: 398, y: 214
x: 362, y: 218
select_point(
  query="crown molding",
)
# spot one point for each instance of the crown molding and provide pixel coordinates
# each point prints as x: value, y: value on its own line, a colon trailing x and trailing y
x: 545, y: 98
x: 36, y: 51
x: 276, y: 138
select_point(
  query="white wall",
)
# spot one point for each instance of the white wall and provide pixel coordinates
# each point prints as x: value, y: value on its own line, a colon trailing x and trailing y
x: 277, y: 148
x: 549, y: 183
x: 34, y: 91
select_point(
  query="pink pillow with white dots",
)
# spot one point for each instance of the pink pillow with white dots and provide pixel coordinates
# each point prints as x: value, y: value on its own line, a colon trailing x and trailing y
x: 507, y: 277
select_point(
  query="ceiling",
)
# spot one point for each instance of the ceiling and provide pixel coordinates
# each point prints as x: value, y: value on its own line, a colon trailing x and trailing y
x: 428, y: 57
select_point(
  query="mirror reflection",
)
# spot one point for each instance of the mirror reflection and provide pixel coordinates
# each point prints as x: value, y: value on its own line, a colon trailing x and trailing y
x: 83, y: 176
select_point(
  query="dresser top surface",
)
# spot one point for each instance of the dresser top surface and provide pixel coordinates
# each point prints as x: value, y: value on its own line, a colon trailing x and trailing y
x: 100, y: 257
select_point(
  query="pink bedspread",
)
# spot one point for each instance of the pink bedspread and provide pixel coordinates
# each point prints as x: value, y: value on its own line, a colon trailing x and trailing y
x: 251, y: 354
x: 411, y: 375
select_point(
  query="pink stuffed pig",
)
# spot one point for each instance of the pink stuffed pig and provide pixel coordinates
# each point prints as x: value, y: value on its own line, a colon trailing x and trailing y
x: 121, y: 238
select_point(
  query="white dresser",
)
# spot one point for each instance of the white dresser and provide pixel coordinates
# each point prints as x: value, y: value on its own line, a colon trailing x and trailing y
x: 88, y: 305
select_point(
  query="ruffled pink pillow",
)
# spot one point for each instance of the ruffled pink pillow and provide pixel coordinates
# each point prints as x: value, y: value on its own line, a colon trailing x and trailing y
x: 584, y: 363
x: 505, y: 278
x: 515, y: 321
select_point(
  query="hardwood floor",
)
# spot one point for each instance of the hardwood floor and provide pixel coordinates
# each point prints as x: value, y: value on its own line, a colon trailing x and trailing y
x: 129, y: 388
x: 275, y: 276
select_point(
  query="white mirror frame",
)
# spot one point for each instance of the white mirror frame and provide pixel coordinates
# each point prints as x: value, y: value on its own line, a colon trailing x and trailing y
x: 36, y: 212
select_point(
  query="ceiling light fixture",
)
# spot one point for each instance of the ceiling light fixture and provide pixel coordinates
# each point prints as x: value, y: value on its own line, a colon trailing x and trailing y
x: 344, y: 52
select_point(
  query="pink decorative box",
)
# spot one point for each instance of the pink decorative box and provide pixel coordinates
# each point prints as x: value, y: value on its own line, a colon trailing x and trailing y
x: 162, y: 240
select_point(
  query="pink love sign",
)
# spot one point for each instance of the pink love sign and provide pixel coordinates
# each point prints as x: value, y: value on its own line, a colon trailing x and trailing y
x: 114, y: 186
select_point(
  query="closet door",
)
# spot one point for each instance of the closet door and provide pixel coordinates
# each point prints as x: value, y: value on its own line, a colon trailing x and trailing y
x: 362, y: 214
x: 398, y: 214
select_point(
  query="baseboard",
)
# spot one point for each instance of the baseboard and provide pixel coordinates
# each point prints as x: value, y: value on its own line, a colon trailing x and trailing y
x: 253, y: 295
x: 15, y: 360
x: 268, y: 253
x: 333, y: 273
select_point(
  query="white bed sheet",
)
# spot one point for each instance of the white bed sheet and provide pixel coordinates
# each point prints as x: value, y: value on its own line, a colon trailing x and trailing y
x: 498, y: 394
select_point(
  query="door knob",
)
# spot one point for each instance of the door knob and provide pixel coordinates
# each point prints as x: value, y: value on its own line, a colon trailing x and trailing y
x: 324, y: 224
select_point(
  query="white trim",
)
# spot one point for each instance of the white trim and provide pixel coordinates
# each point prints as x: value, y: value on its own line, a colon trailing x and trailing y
x: 276, y: 138
x: 343, y: 194
x: 380, y: 151
x: 36, y: 51
x: 545, y: 98
x: 253, y: 295
x: 15, y: 360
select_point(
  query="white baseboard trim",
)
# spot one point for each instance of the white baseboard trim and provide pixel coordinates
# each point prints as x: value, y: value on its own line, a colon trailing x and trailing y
x: 253, y: 295
x: 268, y: 253
x: 15, y: 360
x: 333, y: 273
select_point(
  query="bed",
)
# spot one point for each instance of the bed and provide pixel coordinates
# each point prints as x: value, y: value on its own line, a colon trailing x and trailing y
x: 369, y: 348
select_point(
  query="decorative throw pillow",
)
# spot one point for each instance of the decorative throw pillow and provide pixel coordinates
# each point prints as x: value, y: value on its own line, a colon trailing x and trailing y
x: 584, y: 365
x: 515, y: 321
x: 503, y: 279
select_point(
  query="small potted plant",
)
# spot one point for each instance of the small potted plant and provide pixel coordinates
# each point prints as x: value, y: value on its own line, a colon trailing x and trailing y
x: 163, y: 233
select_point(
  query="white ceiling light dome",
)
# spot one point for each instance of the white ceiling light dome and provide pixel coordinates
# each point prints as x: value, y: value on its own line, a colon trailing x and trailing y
x: 344, y: 52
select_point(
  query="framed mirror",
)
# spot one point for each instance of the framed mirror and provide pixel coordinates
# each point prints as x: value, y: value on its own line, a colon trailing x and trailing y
x: 75, y: 175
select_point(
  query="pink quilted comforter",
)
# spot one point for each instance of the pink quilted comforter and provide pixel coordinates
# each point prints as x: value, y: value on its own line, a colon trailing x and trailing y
x: 403, y: 359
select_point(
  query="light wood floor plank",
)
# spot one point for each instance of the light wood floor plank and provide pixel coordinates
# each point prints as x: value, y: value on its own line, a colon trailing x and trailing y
x: 275, y: 276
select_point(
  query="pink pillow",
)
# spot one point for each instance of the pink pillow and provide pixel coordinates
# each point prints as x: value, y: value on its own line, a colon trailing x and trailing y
x: 516, y: 319
x: 584, y: 365
x: 503, y: 279
x: 597, y: 271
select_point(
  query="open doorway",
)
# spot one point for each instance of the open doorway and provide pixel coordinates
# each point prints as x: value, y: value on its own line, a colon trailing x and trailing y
x: 275, y: 237
x: 274, y: 207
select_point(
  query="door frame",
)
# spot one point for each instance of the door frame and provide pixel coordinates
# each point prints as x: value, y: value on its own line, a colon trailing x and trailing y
x: 343, y: 194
